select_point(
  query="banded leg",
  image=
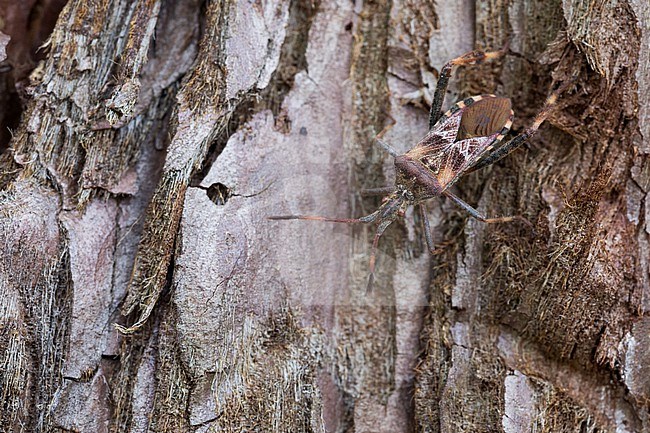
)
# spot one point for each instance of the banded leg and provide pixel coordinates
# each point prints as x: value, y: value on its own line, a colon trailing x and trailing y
x: 471, y: 58
x: 520, y: 139
x: 479, y: 216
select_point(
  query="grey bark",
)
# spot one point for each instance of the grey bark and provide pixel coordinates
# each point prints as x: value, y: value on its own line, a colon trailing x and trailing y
x: 142, y: 287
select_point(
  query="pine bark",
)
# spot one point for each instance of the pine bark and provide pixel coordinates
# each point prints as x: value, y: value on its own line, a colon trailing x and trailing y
x: 142, y: 287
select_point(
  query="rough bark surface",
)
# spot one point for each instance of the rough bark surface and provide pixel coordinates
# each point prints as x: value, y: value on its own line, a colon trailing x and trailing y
x: 142, y: 287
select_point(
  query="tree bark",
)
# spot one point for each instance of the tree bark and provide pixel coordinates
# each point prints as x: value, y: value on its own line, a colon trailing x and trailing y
x: 143, y: 288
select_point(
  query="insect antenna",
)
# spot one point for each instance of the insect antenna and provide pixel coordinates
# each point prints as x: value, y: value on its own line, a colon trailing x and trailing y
x: 384, y: 216
x: 364, y: 219
x: 383, y: 224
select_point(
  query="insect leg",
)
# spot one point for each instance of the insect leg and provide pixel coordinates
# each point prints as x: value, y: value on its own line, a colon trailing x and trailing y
x: 427, y: 228
x: 373, y: 254
x: 513, y: 144
x: 387, y: 147
x: 379, y: 138
x: 479, y: 216
x: 471, y: 58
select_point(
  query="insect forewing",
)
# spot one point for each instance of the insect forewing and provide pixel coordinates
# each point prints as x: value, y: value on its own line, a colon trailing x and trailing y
x: 462, y: 136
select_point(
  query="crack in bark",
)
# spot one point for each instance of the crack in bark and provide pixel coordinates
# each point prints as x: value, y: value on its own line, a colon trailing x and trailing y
x: 292, y: 61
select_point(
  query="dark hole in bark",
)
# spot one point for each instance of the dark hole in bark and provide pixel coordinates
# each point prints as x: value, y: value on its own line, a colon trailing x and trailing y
x: 219, y: 193
x: 28, y: 28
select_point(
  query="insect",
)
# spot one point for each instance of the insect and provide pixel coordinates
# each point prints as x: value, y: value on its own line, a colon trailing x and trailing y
x: 465, y: 138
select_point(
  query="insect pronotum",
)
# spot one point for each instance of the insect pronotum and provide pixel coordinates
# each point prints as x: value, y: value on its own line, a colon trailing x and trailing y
x: 465, y: 138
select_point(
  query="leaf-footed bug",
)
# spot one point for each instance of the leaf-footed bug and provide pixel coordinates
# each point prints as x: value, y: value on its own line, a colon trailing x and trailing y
x: 465, y: 138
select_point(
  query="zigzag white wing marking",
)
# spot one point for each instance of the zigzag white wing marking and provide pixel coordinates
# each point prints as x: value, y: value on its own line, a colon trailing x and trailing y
x: 459, y: 158
x: 438, y: 141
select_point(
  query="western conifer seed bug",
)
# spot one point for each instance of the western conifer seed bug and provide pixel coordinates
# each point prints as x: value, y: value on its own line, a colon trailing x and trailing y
x: 465, y: 138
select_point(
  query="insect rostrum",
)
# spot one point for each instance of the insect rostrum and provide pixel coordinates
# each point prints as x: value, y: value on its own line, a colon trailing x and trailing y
x: 465, y: 138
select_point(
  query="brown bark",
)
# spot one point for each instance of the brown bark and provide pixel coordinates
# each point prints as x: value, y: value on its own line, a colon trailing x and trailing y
x: 156, y: 138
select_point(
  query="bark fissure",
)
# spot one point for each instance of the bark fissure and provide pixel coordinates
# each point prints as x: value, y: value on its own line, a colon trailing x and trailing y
x: 147, y: 281
x: 186, y: 153
x: 157, y: 137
